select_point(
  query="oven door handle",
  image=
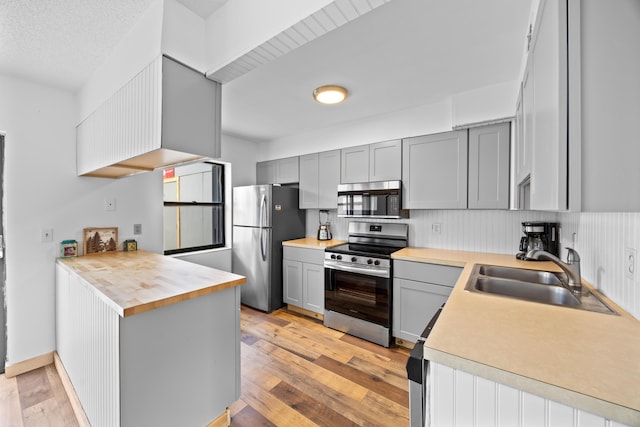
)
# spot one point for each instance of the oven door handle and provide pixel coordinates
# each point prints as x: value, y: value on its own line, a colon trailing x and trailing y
x: 360, y: 270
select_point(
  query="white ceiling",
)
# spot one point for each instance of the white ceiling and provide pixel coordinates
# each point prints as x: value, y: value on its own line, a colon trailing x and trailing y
x: 403, y: 54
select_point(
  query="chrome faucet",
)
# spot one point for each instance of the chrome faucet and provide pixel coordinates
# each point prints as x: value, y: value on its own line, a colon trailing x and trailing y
x: 571, y: 268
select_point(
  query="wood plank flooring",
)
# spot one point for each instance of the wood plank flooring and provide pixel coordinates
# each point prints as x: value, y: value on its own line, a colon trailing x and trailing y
x: 35, y: 398
x: 295, y: 372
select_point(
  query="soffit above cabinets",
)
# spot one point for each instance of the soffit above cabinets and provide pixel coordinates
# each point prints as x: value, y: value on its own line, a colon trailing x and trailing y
x: 166, y: 115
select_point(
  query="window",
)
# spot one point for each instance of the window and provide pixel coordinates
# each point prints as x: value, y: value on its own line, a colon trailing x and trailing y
x: 193, y: 207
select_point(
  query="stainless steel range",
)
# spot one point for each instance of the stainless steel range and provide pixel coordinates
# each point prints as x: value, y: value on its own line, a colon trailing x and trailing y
x: 358, y: 280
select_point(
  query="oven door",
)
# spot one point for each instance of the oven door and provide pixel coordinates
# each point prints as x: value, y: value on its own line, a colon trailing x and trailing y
x: 357, y: 293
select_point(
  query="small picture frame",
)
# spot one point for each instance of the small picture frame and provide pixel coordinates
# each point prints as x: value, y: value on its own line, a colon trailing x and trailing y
x: 100, y: 240
x: 68, y: 249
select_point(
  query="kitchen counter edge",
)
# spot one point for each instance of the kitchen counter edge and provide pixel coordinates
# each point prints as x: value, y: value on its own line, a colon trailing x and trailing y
x: 313, y: 243
x: 140, y: 288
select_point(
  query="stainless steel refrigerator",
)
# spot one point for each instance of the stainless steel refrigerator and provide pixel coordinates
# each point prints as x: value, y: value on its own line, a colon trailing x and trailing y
x: 263, y: 217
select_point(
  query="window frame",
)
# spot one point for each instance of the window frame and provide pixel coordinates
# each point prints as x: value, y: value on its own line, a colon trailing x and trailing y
x: 221, y: 204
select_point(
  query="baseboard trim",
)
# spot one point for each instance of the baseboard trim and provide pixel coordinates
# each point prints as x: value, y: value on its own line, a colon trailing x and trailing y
x: 81, y: 417
x: 405, y: 343
x: 224, y: 420
x: 28, y: 365
x: 305, y: 312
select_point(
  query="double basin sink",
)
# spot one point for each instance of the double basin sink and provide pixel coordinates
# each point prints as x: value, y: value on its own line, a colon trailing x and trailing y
x: 545, y: 287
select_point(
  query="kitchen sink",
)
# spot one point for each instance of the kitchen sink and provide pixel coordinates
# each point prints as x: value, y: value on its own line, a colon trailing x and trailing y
x: 521, y: 274
x: 532, y: 285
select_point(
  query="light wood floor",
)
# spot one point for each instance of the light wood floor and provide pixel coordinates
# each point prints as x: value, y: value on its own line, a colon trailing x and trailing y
x: 295, y: 372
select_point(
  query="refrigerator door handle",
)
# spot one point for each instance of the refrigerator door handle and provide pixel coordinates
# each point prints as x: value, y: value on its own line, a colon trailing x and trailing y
x: 263, y: 206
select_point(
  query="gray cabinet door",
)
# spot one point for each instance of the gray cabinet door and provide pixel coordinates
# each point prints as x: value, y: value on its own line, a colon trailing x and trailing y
x: 489, y: 167
x: 385, y: 161
x: 266, y: 172
x: 292, y: 282
x: 355, y: 164
x: 434, y: 171
x: 313, y: 287
x: 309, y: 181
x: 414, y: 304
x: 287, y: 170
x: 329, y: 178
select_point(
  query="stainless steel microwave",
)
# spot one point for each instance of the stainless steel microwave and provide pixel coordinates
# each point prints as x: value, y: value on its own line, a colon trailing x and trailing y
x: 381, y: 199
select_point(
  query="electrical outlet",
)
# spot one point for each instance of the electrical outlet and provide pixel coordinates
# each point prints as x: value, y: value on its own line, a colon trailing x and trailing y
x: 46, y: 235
x: 436, y: 227
x: 630, y: 263
x: 137, y: 228
x: 109, y: 204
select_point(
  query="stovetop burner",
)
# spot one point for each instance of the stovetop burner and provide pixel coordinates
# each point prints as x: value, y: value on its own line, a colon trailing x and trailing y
x: 364, y: 250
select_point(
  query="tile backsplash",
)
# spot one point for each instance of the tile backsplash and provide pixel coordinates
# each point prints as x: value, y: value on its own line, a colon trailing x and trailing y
x: 600, y: 239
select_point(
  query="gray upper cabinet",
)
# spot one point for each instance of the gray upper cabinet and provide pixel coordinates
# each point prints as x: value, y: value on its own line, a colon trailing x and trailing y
x: 355, y: 164
x: 329, y: 170
x: 280, y: 171
x: 434, y: 171
x: 489, y: 167
x: 287, y: 171
x: 385, y: 161
x: 266, y: 172
x: 319, y: 179
x: 381, y: 161
x: 309, y: 180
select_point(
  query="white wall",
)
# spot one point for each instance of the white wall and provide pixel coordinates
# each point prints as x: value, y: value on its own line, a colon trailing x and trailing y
x: 243, y: 155
x: 42, y: 191
x: 420, y: 120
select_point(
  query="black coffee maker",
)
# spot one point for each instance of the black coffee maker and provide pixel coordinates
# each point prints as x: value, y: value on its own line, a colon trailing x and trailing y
x: 539, y: 235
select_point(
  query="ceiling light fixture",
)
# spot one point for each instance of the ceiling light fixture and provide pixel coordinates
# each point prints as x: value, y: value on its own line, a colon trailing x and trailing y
x: 330, y: 94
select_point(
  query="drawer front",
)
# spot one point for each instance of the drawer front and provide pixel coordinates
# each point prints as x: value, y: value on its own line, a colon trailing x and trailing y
x: 313, y: 256
x: 424, y: 272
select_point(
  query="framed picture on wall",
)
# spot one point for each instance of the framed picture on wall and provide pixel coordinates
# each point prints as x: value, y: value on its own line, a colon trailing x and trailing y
x: 99, y: 240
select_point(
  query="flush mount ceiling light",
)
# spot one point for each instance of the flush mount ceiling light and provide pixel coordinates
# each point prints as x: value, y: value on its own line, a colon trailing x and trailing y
x: 330, y: 94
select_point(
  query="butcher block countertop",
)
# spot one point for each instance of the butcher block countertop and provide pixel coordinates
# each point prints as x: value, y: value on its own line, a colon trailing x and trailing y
x: 313, y: 243
x: 139, y: 281
x: 580, y: 358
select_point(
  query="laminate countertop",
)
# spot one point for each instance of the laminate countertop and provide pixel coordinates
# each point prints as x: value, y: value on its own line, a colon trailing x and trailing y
x: 580, y: 358
x: 313, y: 243
x: 139, y: 281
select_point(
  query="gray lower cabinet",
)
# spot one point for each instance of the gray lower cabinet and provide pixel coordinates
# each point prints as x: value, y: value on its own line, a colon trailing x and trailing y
x: 434, y: 171
x: 419, y: 289
x: 489, y: 167
x: 303, y: 278
x: 319, y: 179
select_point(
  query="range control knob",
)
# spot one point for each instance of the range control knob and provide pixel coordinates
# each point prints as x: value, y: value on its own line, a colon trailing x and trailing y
x: 369, y: 261
x: 333, y: 256
x: 339, y: 257
x: 353, y: 259
x: 376, y: 262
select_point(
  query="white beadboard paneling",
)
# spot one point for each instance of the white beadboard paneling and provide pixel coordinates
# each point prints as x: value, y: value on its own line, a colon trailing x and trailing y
x: 125, y: 125
x: 315, y: 25
x: 460, y: 399
x: 601, y: 242
x: 92, y: 361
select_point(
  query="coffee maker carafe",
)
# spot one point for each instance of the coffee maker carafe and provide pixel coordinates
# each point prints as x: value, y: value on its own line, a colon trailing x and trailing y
x: 323, y: 231
x: 539, y: 235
